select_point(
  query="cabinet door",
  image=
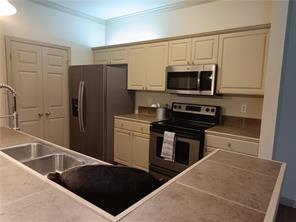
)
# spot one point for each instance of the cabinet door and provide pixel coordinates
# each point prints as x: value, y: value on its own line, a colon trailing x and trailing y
x: 157, y: 59
x: 122, y: 147
x: 140, y: 150
x: 55, y: 86
x: 101, y: 56
x: 180, y: 52
x: 205, y: 50
x: 118, y: 55
x: 137, y: 67
x: 242, y: 60
x: 27, y: 79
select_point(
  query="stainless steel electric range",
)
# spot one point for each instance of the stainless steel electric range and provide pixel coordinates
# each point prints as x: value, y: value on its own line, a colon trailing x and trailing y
x: 188, y: 121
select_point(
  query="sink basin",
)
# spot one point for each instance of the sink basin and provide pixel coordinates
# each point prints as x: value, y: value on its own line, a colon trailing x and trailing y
x: 28, y: 151
x: 53, y: 163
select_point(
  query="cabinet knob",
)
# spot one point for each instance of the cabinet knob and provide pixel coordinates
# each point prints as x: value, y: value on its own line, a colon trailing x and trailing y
x: 48, y: 114
x: 188, y: 63
x: 142, y: 129
x: 40, y: 114
x: 121, y: 124
x: 229, y: 145
x: 143, y: 87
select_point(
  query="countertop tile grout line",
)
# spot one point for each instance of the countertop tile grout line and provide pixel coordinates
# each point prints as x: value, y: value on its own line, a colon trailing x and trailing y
x: 239, y: 168
x: 26, y: 196
x: 222, y: 198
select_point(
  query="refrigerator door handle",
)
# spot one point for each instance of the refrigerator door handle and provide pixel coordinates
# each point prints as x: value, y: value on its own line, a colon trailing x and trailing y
x: 80, y: 106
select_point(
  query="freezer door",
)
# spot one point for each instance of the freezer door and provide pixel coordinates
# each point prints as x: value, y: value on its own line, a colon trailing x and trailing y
x: 75, y: 76
x: 118, y: 101
x: 93, y: 110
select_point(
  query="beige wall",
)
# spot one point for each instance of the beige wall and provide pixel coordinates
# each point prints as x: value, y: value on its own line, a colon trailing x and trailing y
x: 39, y: 23
x: 211, y: 16
x: 231, y: 104
x: 36, y: 22
x: 274, y: 70
x: 3, y: 104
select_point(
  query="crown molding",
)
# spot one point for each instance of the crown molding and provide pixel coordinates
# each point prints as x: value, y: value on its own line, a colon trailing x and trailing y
x: 165, y: 8
x: 64, y: 9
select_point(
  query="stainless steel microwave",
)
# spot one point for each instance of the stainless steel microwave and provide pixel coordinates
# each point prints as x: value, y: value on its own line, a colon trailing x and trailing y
x: 193, y: 79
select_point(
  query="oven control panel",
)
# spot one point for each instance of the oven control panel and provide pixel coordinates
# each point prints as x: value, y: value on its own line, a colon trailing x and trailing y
x: 195, y: 109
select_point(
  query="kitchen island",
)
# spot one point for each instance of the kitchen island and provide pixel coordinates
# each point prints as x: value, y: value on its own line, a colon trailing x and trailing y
x: 224, y: 186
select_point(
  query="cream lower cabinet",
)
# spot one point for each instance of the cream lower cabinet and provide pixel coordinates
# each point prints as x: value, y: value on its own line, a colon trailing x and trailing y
x: 242, y: 62
x: 131, y: 144
x: 241, y: 145
x: 146, y: 66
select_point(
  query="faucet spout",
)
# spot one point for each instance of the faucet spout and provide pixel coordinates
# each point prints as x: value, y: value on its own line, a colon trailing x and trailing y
x: 14, y: 114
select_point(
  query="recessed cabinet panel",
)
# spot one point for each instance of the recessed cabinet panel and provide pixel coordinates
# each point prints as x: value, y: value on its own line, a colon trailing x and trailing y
x: 157, y: 60
x: 137, y: 67
x: 122, y: 147
x: 101, y: 56
x: 205, y: 50
x: 180, y: 52
x: 118, y: 55
x: 140, y: 144
x: 242, y: 60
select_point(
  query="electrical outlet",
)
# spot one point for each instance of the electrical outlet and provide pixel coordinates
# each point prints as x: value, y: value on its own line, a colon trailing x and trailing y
x: 244, y: 108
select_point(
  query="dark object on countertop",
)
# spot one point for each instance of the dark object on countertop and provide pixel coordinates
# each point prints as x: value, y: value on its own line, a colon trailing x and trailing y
x: 112, y: 188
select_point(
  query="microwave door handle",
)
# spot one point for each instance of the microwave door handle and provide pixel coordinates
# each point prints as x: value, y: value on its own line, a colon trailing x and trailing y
x: 198, y: 80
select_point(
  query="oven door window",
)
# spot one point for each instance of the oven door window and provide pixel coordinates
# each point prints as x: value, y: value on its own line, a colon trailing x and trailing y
x: 182, y: 80
x: 181, y: 151
x: 206, y: 79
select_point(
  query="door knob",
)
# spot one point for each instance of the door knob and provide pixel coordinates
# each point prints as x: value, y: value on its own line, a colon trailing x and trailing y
x: 40, y: 114
x: 48, y: 114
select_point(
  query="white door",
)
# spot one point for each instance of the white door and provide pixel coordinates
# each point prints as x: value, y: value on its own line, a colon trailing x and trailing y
x: 26, y: 69
x: 55, y: 95
x: 122, y: 147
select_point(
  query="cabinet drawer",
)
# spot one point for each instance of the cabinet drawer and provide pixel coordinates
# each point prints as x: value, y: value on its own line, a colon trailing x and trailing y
x: 240, y: 146
x: 133, y: 126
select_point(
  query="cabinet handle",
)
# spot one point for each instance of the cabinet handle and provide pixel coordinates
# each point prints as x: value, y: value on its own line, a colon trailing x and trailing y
x: 229, y: 145
x: 48, y: 114
x: 188, y: 63
x: 121, y: 125
x: 143, y: 88
x: 40, y: 114
x: 142, y: 129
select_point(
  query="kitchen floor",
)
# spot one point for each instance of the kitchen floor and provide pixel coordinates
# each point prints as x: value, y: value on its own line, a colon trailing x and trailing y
x: 286, y: 214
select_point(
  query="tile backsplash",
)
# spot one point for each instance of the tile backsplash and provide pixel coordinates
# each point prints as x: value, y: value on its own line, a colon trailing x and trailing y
x: 231, y: 105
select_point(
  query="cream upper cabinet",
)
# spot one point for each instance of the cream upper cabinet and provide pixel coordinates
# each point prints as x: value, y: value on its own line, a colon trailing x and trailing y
x: 242, y: 62
x: 137, y: 67
x: 205, y: 50
x: 180, y: 52
x: 101, y: 56
x: 157, y: 60
x: 118, y: 55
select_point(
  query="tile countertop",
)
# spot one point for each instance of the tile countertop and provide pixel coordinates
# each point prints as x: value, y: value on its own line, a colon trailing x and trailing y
x: 224, y: 186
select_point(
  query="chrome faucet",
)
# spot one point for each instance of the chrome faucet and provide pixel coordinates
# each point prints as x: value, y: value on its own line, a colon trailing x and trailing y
x: 14, y: 114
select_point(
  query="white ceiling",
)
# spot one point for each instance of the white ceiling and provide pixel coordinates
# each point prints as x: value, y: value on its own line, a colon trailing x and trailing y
x: 108, y: 9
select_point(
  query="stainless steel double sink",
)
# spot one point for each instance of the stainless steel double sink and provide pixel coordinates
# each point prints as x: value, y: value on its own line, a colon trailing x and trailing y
x: 44, y: 158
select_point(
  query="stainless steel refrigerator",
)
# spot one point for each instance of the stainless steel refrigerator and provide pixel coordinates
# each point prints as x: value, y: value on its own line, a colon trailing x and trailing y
x: 97, y: 93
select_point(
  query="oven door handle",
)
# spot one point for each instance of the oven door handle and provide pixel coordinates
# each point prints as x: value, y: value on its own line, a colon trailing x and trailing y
x: 179, y: 135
